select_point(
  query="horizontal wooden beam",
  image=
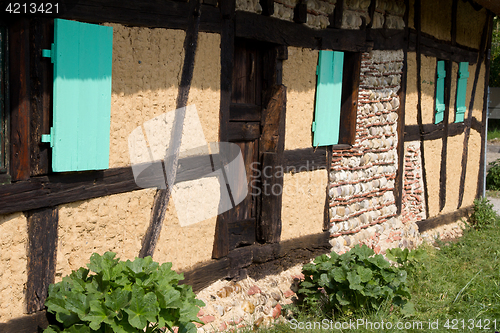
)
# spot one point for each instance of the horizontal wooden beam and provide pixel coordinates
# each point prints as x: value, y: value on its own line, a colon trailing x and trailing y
x: 306, y: 159
x: 433, y: 47
x: 387, y: 39
x: 435, y: 131
x: 58, y: 189
x: 444, y: 219
x: 274, y: 30
x: 309, y: 247
x: 153, y: 13
x: 26, y: 324
x: 53, y: 190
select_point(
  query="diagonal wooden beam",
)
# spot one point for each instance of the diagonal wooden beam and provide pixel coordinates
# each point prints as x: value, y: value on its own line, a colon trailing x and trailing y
x: 162, y: 196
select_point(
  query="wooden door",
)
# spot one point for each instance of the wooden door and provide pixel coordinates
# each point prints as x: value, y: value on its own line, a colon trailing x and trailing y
x: 244, y: 130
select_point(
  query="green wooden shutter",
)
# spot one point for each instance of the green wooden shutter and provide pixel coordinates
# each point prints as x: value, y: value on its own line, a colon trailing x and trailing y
x: 328, y: 98
x: 463, y: 75
x: 440, y: 106
x: 82, y: 57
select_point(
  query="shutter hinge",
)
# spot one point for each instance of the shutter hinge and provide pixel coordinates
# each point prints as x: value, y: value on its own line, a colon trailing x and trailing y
x: 314, y: 126
x: 49, y: 53
x: 49, y: 138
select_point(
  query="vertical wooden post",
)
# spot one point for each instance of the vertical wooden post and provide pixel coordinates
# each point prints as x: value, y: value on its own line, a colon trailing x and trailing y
x: 41, y: 32
x: 19, y: 76
x: 221, y: 237
x: 398, y: 184
x: 42, y: 252
x: 480, y: 180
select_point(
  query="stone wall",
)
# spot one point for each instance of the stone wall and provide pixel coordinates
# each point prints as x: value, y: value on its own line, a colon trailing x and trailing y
x: 362, y: 178
x: 388, y: 13
x: 413, y: 188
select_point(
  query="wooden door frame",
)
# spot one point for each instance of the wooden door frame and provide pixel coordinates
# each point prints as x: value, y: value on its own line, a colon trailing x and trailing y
x: 269, y: 211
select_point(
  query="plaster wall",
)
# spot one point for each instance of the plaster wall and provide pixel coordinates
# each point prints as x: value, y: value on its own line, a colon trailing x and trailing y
x: 13, y: 261
x: 299, y: 76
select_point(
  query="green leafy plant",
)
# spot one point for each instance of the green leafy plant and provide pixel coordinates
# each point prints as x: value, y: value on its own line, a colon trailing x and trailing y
x: 483, y: 214
x: 493, y: 176
x: 409, y: 260
x: 355, y: 280
x: 122, y: 296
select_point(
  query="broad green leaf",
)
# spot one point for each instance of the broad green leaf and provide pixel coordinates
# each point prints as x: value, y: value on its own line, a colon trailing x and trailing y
x: 363, y: 252
x: 103, y: 264
x: 117, y: 299
x: 187, y: 328
x: 365, y: 274
x: 339, y: 274
x: 354, y: 281
x: 169, y: 298
x: 142, y: 308
x: 78, y: 329
x: 99, y: 314
x: 379, y: 261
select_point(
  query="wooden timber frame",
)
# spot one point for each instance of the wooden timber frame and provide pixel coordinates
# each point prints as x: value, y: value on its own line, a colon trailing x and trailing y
x: 37, y: 192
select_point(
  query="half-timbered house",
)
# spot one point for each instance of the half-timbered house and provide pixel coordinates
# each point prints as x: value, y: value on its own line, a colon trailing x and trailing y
x: 359, y: 117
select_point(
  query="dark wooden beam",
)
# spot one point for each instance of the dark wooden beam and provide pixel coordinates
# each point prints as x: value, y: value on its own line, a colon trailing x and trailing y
x: 300, y: 12
x: 57, y: 189
x: 154, y: 14
x: 350, y: 89
x: 399, y: 183
x: 162, y: 196
x: 274, y: 30
x: 243, y: 131
x: 26, y: 324
x: 19, y: 86
x: 418, y: 25
x: 221, y: 240
x: 326, y: 210
x: 444, y: 146
x: 480, y: 178
x: 435, y: 131
x: 42, y: 252
x: 267, y: 7
x: 444, y: 50
x: 202, y: 275
x: 306, y: 159
x: 484, y: 44
x: 338, y: 13
x: 41, y: 32
x: 271, y: 147
x: 387, y: 39
x: 444, y: 219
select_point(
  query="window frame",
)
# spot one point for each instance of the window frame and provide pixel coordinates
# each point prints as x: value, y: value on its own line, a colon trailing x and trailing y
x: 4, y: 108
x: 351, y: 71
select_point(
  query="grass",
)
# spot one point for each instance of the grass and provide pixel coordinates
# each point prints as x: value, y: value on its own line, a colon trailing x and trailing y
x: 459, y: 280
x: 493, y: 129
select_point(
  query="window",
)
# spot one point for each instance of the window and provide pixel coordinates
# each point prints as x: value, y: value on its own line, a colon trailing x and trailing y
x: 336, y: 98
x: 440, y: 103
x: 82, y: 58
x: 463, y: 75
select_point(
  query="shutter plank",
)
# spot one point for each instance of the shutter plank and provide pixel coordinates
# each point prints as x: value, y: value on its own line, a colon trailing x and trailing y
x: 328, y: 98
x: 82, y: 96
x: 440, y: 105
x: 463, y: 75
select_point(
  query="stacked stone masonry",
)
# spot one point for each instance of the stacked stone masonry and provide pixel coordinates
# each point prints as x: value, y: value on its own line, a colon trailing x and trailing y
x: 413, y: 194
x: 362, y: 178
x: 388, y: 13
